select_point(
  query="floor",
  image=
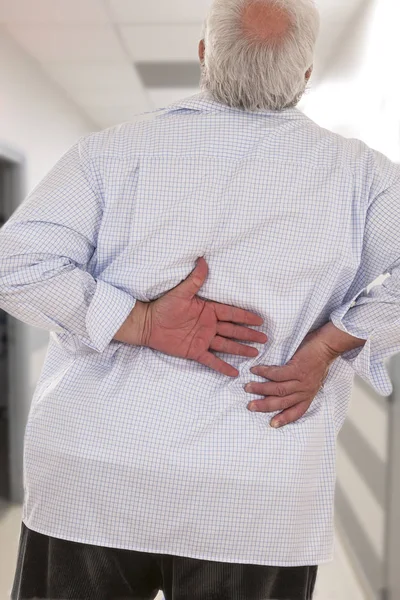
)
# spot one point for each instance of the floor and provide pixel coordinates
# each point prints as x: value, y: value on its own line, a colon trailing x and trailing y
x: 335, y: 580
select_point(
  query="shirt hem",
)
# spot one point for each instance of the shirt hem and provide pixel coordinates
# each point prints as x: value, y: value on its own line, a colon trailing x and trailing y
x: 186, y: 554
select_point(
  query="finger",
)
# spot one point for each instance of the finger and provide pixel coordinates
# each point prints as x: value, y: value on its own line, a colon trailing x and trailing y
x: 192, y: 284
x: 274, y: 373
x: 221, y: 344
x: 225, y: 312
x: 230, y: 330
x: 272, y: 404
x: 216, y: 364
x: 291, y: 415
x: 279, y: 390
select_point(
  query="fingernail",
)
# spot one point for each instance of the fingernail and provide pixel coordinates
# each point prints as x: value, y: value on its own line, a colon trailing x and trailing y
x: 252, y: 407
x: 275, y: 424
x: 253, y: 370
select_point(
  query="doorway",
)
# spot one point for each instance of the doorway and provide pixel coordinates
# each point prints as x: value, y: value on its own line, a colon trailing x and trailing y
x: 5, y: 167
x: 11, y: 190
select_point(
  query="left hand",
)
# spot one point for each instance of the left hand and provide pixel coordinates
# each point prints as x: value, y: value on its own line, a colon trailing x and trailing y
x: 293, y: 387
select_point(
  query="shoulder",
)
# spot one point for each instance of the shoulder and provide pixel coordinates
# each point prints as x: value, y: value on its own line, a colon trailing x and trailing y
x: 372, y: 166
x: 367, y: 165
x: 118, y: 142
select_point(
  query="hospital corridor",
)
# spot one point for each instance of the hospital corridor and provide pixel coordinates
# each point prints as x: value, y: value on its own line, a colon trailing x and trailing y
x: 70, y: 69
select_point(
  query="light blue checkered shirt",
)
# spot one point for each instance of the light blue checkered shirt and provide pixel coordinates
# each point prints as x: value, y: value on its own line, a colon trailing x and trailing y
x: 129, y: 448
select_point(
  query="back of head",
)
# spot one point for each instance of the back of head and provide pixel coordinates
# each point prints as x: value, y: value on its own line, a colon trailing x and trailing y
x: 257, y: 52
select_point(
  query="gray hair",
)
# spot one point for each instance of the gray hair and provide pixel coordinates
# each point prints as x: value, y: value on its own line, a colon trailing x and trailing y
x: 258, y: 74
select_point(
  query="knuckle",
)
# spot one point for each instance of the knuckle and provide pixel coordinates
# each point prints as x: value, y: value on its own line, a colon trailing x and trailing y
x: 236, y: 332
x: 224, y: 329
x: 280, y: 391
x: 286, y: 404
x: 223, y: 345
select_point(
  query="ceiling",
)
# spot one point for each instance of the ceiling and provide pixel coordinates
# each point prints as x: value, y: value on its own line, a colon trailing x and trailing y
x: 118, y: 58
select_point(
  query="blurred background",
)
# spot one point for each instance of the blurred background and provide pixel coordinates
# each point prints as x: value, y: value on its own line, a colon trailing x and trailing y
x: 69, y: 67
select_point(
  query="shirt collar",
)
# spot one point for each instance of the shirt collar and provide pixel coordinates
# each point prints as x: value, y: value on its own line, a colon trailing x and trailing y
x: 204, y: 102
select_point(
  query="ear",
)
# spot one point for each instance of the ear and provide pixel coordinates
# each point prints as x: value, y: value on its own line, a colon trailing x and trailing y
x: 308, y: 73
x: 202, y: 50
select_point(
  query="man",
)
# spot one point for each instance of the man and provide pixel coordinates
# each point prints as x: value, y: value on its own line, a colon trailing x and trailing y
x: 144, y: 470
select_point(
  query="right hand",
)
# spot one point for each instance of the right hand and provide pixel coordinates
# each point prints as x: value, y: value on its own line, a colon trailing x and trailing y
x: 182, y: 324
x: 293, y: 387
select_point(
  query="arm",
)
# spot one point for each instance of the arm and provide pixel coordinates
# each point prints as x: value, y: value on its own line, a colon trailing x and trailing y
x: 45, y: 248
x: 337, y: 341
x: 373, y: 316
x: 132, y: 330
x: 365, y: 330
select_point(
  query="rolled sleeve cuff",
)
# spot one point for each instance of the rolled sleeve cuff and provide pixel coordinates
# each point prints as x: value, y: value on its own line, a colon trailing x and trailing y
x: 108, y: 310
x: 362, y: 360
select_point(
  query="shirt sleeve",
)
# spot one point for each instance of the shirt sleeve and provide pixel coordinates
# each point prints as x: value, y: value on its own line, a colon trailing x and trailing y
x: 374, y: 315
x: 45, y: 248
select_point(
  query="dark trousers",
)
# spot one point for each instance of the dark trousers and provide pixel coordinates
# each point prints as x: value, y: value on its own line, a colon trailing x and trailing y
x: 51, y: 568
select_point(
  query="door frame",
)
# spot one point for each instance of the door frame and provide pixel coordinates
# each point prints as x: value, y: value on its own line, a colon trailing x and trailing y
x: 392, y: 541
x: 16, y: 333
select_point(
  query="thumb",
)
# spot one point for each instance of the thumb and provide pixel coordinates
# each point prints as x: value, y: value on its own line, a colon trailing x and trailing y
x: 191, y: 286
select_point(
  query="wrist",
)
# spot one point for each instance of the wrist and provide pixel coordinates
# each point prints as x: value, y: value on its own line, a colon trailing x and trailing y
x: 133, y: 331
x: 337, y: 341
